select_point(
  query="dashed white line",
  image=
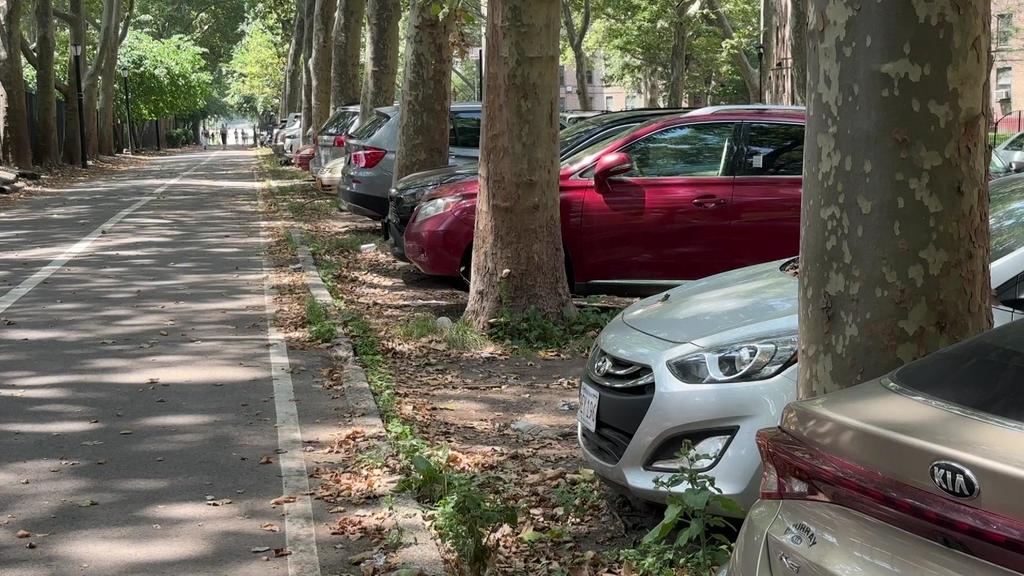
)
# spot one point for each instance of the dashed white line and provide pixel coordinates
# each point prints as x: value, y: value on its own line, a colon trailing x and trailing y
x: 16, y: 293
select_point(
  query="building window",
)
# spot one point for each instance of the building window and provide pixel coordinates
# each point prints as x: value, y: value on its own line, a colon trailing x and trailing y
x: 590, y: 77
x: 1004, y: 78
x: 609, y: 103
x: 1004, y: 29
x: 561, y: 75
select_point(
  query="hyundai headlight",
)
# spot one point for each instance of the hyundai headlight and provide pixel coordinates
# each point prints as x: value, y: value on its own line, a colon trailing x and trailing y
x: 756, y: 359
x: 436, y: 206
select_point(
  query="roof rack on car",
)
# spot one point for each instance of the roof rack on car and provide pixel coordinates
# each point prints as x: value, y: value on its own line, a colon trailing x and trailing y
x: 708, y: 110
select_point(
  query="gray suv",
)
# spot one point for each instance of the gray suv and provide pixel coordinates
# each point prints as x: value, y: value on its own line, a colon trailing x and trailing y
x: 370, y: 156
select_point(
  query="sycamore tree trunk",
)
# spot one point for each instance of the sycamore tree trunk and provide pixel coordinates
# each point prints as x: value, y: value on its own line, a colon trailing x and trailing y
x: 576, y: 36
x: 108, y: 83
x: 677, y: 68
x: 292, y: 97
x: 14, y: 85
x: 309, y: 10
x: 348, y: 43
x: 518, y: 261
x: 46, y: 92
x: 76, y: 31
x: 320, y: 62
x: 895, y: 247
x: 798, y: 48
x: 107, y: 38
x: 426, y: 91
x: 382, y: 17
x: 747, y: 71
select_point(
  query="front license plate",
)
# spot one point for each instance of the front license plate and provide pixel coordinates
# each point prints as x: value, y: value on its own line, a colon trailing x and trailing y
x: 587, y: 414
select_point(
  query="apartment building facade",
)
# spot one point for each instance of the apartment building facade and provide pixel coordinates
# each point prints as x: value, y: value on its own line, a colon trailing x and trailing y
x: 1008, y: 57
x: 603, y: 97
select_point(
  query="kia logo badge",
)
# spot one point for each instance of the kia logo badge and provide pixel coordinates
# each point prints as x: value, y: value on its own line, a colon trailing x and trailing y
x: 955, y: 480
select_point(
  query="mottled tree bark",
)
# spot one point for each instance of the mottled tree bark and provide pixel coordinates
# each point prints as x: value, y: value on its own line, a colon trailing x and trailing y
x: 576, y: 38
x: 309, y: 9
x: 76, y: 31
x: 108, y: 33
x: 518, y: 259
x: 382, y: 17
x: 677, y: 69
x: 426, y: 91
x: 320, y: 62
x: 895, y: 247
x: 46, y: 92
x: 108, y: 84
x: 798, y: 48
x: 291, y: 100
x: 348, y: 44
x: 747, y: 71
x: 14, y: 85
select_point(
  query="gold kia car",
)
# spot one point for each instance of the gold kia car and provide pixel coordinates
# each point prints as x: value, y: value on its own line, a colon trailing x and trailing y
x: 920, y: 472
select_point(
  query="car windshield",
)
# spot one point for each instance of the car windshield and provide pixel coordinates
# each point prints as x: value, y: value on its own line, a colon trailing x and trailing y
x: 982, y: 374
x: 370, y: 127
x: 1006, y: 215
x: 341, y: 121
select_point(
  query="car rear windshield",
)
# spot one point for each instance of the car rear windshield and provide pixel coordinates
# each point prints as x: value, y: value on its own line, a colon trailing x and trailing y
x: 369, y: 128
x: 340, y: 122
x: 1006, y: 215
x: 983, y: 374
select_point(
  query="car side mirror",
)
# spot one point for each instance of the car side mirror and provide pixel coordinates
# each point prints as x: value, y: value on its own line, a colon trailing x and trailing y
x: 1017, y: 167
x: 609, y: 166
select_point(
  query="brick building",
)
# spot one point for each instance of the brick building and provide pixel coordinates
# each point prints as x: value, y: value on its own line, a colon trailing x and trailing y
x: 1008, y: 56
x: 602, y: 97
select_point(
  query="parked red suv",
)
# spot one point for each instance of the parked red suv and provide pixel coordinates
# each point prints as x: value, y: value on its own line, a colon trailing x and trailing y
x: 674, y: 199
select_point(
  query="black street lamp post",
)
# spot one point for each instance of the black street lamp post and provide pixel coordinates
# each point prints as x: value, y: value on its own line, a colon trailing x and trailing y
x: 76, y: 51
x: 128, y: 109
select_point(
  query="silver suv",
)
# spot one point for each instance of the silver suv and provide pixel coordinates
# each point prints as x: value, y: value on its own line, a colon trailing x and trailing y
x: 368, y: 172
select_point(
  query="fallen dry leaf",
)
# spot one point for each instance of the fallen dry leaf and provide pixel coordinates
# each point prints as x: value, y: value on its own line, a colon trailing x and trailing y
x: 270, y: 527
x: 22, y: 534
x: 283, y: 500
x: 279, y: 552
x: 266, y: 460
x: 221, y: 502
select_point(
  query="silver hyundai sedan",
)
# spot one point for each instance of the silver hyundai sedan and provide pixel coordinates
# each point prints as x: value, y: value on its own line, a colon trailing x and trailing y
x: 714, y: 361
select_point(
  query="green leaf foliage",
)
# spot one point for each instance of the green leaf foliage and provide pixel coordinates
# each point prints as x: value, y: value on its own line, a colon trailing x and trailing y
x: 166, y: 77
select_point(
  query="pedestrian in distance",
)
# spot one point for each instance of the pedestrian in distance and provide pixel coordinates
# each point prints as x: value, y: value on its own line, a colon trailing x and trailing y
x: 204, y: 137
x: 245, y: 137
x: 224, y: 136
x: 236, y: 136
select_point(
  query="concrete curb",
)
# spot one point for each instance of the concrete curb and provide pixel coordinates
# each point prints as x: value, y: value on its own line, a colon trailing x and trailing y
x: 420, y: 551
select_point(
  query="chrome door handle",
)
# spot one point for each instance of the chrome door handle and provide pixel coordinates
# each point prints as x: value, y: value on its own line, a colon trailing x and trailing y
x: 708, y: 201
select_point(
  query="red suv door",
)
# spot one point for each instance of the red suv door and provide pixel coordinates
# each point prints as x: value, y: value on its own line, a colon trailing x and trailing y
x: 766, y: 197
x: 669, y: 217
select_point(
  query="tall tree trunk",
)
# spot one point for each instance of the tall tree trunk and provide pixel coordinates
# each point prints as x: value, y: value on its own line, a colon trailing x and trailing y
x: 773, y: 90
x: 747, y: 71
x: 348, y: 44
x: 798, y: 48
x: 382, y: 17
x: 309, y: 10
x: 426, y: 91
x: 14, y: 84
x: 576, y: 38
x: 677, y: 70
x: 107, y: 38
x: 651, y: 92
x: 320, y: 62
x: 46, y: 93
x: 72, y: 140
x: 518, y: 259
x: 108, y: 84
x: 895, y: 246
x: 292, y: 97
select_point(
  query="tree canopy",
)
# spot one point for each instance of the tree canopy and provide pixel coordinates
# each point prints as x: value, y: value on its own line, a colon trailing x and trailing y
x: 167, y: 77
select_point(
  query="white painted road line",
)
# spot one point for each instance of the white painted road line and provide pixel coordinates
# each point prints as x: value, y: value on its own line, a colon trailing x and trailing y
x: 299, y: 529
x: 45, y: 272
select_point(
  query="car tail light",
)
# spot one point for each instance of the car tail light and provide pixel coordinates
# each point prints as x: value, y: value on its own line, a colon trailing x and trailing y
x: 339, y: 141
x: 367, y: 157
x: 795, y: 471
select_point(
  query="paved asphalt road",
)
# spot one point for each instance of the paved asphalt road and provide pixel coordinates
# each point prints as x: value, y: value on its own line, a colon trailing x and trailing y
x: 135, y: 380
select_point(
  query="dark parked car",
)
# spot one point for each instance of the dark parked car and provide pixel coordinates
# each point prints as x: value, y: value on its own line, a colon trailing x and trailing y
x: 409, y: 191
x: 368, y: 173
x: 678, y: 198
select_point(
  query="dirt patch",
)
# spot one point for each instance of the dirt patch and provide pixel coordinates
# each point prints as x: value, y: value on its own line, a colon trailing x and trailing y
x: 506, y: 416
